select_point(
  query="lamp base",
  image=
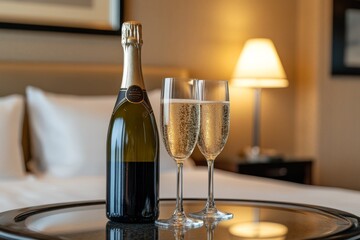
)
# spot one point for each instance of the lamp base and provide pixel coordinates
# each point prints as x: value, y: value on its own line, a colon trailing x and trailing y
x: 256, y: 155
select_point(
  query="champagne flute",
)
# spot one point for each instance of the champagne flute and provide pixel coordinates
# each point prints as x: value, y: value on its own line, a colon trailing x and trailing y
x: 214, y: 131
x: 180, y: 123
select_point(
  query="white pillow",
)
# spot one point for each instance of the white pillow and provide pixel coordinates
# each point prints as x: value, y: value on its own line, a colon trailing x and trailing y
x: 11, y: 125
x: 68, y: 133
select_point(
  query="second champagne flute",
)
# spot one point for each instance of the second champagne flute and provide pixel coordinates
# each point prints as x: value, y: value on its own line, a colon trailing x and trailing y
x: 214, y: 131
x: 180, y: 120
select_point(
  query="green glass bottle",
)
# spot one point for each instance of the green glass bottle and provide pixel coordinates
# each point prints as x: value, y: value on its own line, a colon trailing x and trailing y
x: 132, y: 143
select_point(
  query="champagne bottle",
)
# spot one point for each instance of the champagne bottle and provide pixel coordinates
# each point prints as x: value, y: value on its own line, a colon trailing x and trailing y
x: 132, y: 143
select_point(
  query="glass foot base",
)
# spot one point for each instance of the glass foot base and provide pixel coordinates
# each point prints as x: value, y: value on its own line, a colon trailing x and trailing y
x: 180, y: 222
x: 212, y: 214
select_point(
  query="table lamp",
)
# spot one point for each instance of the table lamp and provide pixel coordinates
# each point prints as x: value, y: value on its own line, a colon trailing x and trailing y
x: 258, y: 67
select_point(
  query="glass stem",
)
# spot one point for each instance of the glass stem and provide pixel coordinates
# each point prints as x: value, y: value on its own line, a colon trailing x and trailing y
x: 210, y: 201
x: 210, y: 234
x: 179, y: 188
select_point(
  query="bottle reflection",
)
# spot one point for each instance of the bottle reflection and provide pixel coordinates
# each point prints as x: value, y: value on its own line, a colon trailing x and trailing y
x: 121, y: 231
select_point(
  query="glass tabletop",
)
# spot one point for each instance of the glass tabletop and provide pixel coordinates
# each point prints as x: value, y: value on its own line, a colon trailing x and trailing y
x: 252, y: 220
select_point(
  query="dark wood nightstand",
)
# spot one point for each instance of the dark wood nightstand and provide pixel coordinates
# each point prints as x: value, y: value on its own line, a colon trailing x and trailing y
x: 292, y: 170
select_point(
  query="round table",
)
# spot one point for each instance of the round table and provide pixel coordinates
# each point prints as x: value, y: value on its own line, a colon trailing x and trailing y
x: 252, y: 220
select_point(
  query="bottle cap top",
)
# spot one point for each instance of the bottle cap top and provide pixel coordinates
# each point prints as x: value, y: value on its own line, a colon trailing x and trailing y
x: 131, y: 32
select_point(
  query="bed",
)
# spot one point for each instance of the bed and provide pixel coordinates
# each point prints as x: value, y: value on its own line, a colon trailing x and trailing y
x: 52, y: 142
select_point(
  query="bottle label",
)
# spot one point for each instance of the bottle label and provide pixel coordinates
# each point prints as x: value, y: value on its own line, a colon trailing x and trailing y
x: 135, y: 94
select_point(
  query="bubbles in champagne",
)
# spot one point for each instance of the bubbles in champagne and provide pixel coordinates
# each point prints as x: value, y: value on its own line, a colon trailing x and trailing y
x: 214, y: 128
x: 180, y: 127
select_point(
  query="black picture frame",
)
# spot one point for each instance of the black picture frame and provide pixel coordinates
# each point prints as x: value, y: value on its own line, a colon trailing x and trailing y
x: 341, y: 45
x: 4, y: 24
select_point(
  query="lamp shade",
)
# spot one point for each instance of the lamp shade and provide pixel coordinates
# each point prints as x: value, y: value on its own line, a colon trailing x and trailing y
x: 259, y: 66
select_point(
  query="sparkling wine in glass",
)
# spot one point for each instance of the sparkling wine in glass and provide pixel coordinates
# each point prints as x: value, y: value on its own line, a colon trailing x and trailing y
x: 180, y: 123
x: 214, y: 131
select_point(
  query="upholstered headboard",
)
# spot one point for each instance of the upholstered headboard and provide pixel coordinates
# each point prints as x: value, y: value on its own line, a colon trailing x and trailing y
x: 79, y: 79
x: 69, y: 78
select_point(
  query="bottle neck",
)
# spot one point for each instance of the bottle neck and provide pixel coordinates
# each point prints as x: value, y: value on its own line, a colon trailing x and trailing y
x: 132, y: 72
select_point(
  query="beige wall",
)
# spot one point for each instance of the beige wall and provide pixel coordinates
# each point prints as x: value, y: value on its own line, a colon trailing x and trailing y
x: 207, y: 36
x: 58, y: 47
x: 307, y: 84
x: 339, y: 129
x: 328, y: 114
x: 204, y: 36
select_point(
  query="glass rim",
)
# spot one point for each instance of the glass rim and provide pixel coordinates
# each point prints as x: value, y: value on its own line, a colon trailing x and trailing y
x: 197, y: 79
x: 180, y: 78
x: 213, y: 80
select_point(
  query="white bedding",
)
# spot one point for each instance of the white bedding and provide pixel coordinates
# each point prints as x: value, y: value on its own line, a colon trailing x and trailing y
x: 31, y: 191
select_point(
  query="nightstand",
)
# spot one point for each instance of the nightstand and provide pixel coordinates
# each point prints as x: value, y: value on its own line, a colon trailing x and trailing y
x: 292, y: 170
